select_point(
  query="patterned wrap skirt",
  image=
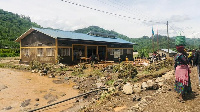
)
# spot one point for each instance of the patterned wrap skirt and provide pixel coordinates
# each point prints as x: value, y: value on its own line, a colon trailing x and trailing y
x: 183, y: 89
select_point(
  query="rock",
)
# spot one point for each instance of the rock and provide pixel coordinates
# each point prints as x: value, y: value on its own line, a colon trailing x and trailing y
x: 32, y: 71
x: 136, y: 97
x: 116, y: 84
x: 144, y: 85
x: 137, y: 88
x: 25, y: 103
x: 155, y: 86
x: 120, y: 80
x: 2, y: 87
x: 168, y: 76
x: 7, y: 108
x: 37, y: 99
x: 111, y: 89
x: 75, y: 87
x: 103, y: 78
x: 37, y: 104
x: 52, y: 76
x: 66, y: 78
x: 159, y: 79
x: 99, y: 84
x: 150, y: 84
x: 160, y: 84
x: 127, y: 89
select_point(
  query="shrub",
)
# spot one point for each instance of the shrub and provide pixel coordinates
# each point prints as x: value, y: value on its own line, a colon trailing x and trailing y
x: 125, y: 70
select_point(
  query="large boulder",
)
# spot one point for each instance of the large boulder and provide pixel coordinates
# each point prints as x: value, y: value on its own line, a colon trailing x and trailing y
x: 127, y: 89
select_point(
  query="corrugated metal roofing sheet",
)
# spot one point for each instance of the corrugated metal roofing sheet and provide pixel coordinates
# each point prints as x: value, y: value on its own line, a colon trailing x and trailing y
x: 72, y: 35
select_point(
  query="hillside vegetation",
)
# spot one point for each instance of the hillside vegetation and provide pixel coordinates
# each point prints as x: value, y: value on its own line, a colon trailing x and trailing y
x: 13, y: 25
x: 144, y: 44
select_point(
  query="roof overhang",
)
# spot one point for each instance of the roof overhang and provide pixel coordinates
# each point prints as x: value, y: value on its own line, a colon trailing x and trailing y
x: 24, y: 35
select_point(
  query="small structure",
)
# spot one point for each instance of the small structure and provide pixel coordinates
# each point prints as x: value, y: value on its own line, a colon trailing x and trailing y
x: 165, y: 52
x: 53, y: 46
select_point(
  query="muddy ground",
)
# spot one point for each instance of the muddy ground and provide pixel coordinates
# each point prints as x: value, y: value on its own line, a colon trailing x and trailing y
x: 23, y: 90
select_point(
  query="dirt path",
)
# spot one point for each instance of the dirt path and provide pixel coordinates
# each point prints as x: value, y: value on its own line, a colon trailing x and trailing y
x: 167, y: 102
x: 17, y: 87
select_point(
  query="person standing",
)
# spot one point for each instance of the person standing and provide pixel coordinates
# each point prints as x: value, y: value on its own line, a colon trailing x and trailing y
x: 196, y: 61
x: 182, y: 78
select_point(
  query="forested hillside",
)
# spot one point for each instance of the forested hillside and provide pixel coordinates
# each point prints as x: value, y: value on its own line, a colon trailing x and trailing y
x: 12, y: 26
x: 144, y: 44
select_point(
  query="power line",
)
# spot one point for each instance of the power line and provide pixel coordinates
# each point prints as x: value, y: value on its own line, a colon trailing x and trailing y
x: 127, y: 18
x: 107, y: 12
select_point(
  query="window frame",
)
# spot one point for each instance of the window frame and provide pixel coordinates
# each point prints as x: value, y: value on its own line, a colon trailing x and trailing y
x: 50, y: 52
x: 40, y: 53
x: 65, y: 52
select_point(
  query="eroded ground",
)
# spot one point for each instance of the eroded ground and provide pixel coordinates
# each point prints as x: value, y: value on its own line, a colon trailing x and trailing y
x: 21, y: 91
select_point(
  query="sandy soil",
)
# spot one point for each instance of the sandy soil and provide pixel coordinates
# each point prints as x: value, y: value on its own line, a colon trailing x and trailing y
x: 23, y: 86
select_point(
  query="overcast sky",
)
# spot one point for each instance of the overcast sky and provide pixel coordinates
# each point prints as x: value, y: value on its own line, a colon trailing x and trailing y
x: 134, y: 18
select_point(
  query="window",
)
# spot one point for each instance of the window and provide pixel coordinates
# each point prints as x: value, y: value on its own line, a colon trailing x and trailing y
x: 50, y: 51
x: 40, y: 52
x: 128, y: 51
x: 111, y: 51
x: 121, y: 51
x: 65, y: 51
x: 118, y: 50
x: 26, y: 52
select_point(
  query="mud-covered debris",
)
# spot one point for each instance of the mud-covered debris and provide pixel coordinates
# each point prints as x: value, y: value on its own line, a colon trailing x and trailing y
x: 25, y: 103
x: 37, y: 104
x: 2, y: 87
x: 37, y: 99
x: 7, y: 108
x: 136, y: 97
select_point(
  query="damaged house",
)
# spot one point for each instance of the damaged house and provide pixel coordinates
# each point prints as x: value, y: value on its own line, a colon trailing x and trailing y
x: 56, y: 46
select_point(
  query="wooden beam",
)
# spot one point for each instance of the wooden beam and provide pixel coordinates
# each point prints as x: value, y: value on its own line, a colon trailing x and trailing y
x: 72, y: 52
x: 56, y: 50
x: 86, y: 51
x: 20, y: 49
x: 40, y: 47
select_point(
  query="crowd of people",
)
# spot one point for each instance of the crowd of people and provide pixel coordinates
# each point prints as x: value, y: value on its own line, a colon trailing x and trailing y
x: 157, y: 57
x: 183, y: 61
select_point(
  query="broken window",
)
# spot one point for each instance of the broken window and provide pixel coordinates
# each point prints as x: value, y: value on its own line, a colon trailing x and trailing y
x: 40, y: 52
x: 50, y: 51
x: 65, y: 51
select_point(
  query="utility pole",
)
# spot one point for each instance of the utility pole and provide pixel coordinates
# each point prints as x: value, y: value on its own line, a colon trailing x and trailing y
x: 168, y: 37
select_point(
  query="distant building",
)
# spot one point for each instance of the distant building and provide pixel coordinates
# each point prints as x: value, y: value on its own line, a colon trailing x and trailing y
x: 49, y: 46
x: 165, y: 51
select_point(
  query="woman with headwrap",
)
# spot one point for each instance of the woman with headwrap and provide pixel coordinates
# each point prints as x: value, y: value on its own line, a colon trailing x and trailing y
x: 182, y: 70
